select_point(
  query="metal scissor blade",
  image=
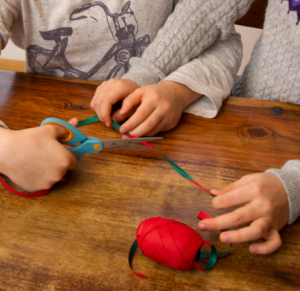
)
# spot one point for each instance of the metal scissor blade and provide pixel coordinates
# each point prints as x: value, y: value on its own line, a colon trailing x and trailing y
x: 122, y: 143
x: 135, y: 147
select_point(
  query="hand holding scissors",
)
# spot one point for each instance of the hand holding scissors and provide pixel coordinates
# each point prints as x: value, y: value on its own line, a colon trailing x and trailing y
x: 86, y: 144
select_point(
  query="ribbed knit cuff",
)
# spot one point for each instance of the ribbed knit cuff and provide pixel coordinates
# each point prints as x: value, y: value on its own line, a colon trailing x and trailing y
x: 289, y: 175
x: 208, y: 105
x: 2, y: 124
x: 143, y: 72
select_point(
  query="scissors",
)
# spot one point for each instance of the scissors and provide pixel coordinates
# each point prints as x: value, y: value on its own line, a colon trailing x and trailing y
x: 89, y: 144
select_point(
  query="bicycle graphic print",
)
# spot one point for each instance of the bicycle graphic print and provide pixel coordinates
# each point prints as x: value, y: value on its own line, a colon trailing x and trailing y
x: 45, y: 61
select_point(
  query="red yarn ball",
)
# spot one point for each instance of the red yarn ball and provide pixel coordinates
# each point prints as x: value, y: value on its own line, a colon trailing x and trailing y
x: 170, y: 243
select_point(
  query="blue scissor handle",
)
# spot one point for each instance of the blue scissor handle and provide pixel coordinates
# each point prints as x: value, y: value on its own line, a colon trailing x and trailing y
x: 75, y: 135
x: 87, y: 144
x: 90, y: 145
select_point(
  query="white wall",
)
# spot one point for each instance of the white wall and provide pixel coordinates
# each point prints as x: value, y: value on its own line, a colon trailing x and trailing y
x: 13, y: 53
x: 249, y: 37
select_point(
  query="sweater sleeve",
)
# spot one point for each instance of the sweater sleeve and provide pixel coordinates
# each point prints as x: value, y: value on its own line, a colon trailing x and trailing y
x: 193, y: 26
x: 289, y: 175
x: 2, y: 124
x: 212, y: 75
x: 9, y: 13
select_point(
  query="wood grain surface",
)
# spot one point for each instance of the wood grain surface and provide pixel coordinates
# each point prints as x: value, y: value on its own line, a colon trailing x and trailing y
x: 78, y: 236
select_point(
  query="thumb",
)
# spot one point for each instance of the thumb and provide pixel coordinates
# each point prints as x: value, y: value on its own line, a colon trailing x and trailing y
x: 73, y: 121
x: 62, y: 131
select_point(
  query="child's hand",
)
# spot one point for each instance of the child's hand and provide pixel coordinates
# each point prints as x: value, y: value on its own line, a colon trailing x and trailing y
x: 154, y: 108
x: 108, y: 94
x: 33, y: 158
x: 159, y: 108
x: 265, y: 207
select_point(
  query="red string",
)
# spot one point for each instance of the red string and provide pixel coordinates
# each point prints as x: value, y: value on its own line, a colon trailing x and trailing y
x: 29, y: 195
x: 152, y: 147
x: 198, y: 185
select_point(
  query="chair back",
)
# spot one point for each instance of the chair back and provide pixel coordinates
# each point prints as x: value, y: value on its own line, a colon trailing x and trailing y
x: 255, y: 17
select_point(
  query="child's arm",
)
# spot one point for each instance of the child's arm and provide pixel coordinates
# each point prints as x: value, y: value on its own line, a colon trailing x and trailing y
x: 270, y: 200
x: 158, y: 107
x: 10, y: 12
x: 33, y: 158
x: 212, y: 74
x: 193, y: 26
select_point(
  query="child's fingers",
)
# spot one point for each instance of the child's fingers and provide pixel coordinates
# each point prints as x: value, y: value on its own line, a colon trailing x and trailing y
x: 233, y: 198
x: 238, y: 217
x: 250, y: 233
x: 244, y: 180
x: 59, y: 132
x: 104, y: 108
x: 117, y: 117
x: 226, y: 189
x: 72, y: 164
x: 67, y: 160
x: 141, y: 114
x: 150, y: 126
x: 106, y: 95
x: 97, y: 98
x: 216, y: 191
x: 273, y: 243
x: 132, y: 101
x: 55, y: 131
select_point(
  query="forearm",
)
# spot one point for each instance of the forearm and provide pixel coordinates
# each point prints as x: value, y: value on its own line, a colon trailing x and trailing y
x: 9, y: 12
x: 193, y: 26
x: 184, y: 94
x: 289, y: 175
x: 212, y: 75
x: 4, y: 146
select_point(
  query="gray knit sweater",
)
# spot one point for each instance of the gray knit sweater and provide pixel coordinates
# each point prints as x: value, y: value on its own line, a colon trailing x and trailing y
x: 272, y: 74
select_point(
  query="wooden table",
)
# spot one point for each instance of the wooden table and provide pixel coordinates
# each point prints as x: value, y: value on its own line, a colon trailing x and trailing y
x: 79, y: 235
